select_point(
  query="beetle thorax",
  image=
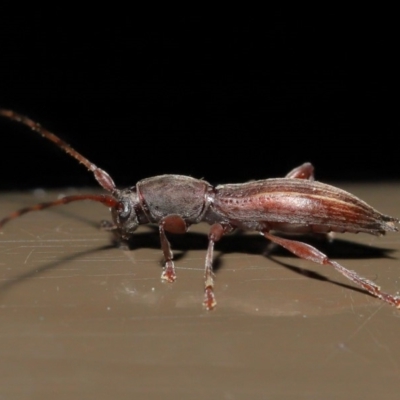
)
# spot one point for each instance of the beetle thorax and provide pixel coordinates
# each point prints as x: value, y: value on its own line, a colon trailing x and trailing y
x: 165, y: 195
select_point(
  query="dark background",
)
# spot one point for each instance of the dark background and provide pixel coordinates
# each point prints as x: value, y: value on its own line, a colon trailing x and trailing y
x: 227, y: 100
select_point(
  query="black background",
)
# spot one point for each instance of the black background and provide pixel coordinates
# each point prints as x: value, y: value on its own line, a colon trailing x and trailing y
x: 227, y: 100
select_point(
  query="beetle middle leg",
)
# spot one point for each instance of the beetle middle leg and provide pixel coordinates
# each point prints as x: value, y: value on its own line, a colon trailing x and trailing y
x: 310, y: 253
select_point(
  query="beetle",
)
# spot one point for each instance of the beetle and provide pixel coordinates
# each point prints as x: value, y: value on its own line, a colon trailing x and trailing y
x: 293, y: 204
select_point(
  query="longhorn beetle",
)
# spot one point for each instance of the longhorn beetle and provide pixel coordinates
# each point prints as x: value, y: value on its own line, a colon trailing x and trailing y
x: 294, y: 204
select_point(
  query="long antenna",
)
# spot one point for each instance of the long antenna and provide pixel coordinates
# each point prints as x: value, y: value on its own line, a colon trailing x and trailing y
x: 105, y: 199
x: 101, y: 176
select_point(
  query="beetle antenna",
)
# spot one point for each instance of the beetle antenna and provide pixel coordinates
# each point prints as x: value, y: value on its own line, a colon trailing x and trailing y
x: 107, y: 200
x: 101, y: 176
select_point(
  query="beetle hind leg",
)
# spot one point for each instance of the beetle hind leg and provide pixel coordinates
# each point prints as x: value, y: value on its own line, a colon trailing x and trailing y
x: 310, y: 253
x: 304, y: 171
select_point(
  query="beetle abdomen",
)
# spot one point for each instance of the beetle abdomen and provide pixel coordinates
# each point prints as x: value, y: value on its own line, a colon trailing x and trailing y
x: 299, y: 205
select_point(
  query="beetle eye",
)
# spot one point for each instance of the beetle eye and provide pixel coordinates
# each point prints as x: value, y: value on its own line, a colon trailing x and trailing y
x: 124, y: 214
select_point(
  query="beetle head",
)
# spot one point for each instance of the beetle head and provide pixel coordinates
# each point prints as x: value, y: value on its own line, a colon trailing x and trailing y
x: 126, y: 216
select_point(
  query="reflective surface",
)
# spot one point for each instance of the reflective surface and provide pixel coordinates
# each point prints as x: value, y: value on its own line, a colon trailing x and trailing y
x: 80, y: 318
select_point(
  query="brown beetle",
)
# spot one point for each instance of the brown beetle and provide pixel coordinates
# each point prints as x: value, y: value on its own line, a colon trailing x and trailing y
x: 294, y: 204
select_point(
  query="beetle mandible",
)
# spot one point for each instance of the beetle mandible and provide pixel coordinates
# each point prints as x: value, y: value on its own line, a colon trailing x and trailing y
x: 294, y: 204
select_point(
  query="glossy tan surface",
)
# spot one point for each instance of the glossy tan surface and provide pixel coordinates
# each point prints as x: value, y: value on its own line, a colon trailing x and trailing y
x: 82, y: 319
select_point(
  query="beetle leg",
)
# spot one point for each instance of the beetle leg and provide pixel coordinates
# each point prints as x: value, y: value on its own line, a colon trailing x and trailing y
x: 304, y: 171
x: 168, y: 273
x: 107, y: 226
x: 118, y: 240
x: 173, y: 224
x: 308, y: 252
x: 216, y: 232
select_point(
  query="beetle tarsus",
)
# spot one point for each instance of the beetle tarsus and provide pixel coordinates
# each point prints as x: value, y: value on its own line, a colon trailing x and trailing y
x: 209, y: 298
x: 168, y: 273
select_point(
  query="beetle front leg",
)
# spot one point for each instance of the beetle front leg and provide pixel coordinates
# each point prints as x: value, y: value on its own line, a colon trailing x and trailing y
x: 173, y: 224
x: 216, y: 233
x: 308, y: 252
x: 119, y: 241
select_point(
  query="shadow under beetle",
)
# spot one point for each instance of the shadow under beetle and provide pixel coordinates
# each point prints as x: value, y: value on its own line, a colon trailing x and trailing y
x: 294, y: 204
